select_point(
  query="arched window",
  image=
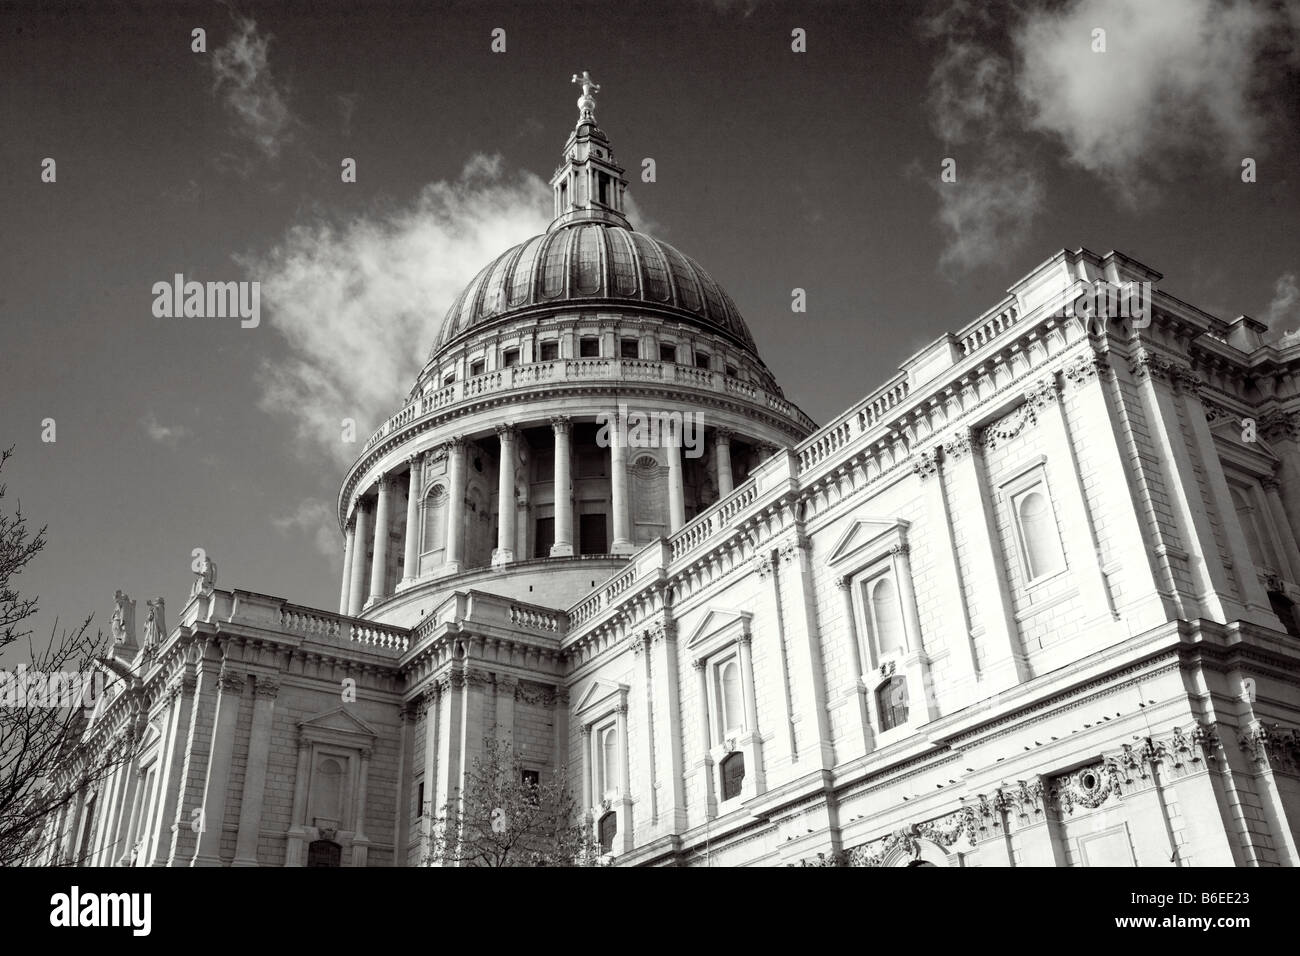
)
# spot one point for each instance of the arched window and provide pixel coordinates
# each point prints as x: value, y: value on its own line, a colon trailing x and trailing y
x: 435, y: 519
x: 886, y: 616
x: 891, y: 702
x: 733, y: 774
x: 324, y: 853
x: 609, y: 775
x: 607, y: 828
x: 1038, y: 538
x: 733, y: 711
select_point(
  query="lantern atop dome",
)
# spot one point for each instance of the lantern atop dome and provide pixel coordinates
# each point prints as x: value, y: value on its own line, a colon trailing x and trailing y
x: 589, y: 185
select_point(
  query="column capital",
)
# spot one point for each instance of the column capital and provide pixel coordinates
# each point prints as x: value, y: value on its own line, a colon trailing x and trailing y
x: 506, y: 433
x: 267, y: 688
x: 723, y: 436
x: 230, y: 681
x: 561, y: 424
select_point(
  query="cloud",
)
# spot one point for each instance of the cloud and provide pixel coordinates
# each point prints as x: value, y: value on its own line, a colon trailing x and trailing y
x: 1283, y: 313
x: 163, y: 434
x: 314, y: 517
x: 359, y: 302
x: 1180, y: 81
x: 1178, y: 77
x: 242, y: 75
x: 983, y: 211
x: 974, y: 111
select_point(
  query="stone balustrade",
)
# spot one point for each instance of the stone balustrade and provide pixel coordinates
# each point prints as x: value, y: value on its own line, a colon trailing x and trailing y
x: 560, y: 371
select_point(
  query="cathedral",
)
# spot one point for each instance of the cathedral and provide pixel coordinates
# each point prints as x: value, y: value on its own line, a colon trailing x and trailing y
x: 1029, y: 602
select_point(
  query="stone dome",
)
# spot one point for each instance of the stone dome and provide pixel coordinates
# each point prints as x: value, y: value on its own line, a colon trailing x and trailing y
x: 593, y: 263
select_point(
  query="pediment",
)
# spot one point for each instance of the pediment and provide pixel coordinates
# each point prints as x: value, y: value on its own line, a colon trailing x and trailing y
x: 338, y: 721
x: 598, y: 692
x: 864, y: 533
x: 715, y: 620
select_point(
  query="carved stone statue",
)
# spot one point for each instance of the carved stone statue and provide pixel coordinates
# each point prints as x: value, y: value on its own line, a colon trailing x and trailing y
x: 122, y: 623
x: 204, y: 580
x: 155, y: 626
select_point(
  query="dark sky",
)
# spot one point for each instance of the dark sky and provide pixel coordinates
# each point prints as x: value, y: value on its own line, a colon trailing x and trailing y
x: 775, y: 169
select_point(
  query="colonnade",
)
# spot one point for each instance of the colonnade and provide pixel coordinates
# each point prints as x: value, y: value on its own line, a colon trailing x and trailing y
x: 371, y: 516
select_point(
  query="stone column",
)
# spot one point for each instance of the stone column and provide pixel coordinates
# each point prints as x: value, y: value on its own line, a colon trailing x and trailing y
x: 455, y: 552
x: 181, y: 688
x: 357, y: 592
x: 259, y: 752
x: 361, y: 842
x: 1257, y: 608
x: 797, y: 611
x: 405, y: 789
x: 618, y: 488
x: 722, y: 458
x: 704, y: 764
x: 348, y: 548
x: 506, y: 512
x: 414, y: 491
x: 379, y: 563
x: 665, y: 683
x: 218, y: 776
x: 1006, y: 664
x: 297, y: 823
x: 563, y: 494
x: 588, y: 778
x: 676, y: 493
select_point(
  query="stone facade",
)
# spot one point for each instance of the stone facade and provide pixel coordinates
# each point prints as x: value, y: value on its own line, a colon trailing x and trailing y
x: 1029, y: 603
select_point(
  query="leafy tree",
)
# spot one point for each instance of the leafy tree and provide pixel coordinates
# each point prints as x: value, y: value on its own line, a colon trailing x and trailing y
x: 41, y: 767
x: 503, y: 819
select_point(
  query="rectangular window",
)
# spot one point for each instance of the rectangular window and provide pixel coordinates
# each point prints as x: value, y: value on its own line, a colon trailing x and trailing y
x: 477, y: 368
x: 731, y: 371
x: 628, y: 349
x: 667, y: 353
x: 419, y: 799
x: 550, y: 351
x: 589, y: 348
x: 544, y: 537
x: 591, y: 534
x: 604, y: 189
x: 509, y: 358
x: 449, y: 378
x: 701, y: 359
